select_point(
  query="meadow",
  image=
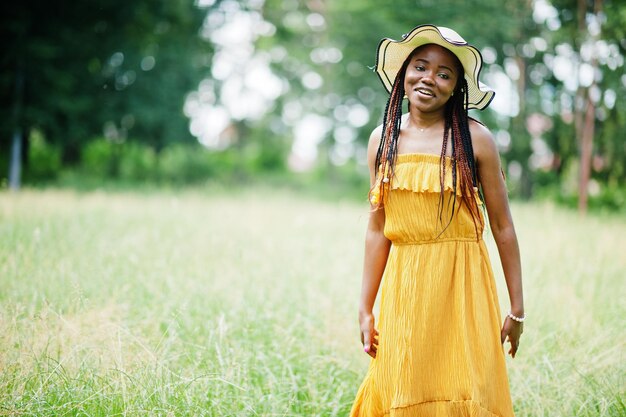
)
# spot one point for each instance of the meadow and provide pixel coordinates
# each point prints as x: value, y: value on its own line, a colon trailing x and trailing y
x: 243, y: 303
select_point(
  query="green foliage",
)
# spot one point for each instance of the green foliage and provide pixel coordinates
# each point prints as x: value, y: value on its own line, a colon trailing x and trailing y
x: 137, y: 162
x: 610, y: 198
x: 112, y: 65
x: 100, y: 159
x: 181, y: 164
x: 589, y: 29
x: 44, y: 159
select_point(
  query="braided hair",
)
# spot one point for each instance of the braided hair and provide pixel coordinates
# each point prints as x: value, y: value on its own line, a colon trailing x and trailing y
x: 464, y: 172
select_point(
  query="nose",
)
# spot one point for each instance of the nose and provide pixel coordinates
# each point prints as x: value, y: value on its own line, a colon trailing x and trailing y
x: 428, y: 78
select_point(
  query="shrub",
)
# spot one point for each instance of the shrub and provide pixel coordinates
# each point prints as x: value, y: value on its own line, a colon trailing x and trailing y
x: 44, y: 159
x: 185, y: 163
x: 137, y: 162
x: 99, y: 159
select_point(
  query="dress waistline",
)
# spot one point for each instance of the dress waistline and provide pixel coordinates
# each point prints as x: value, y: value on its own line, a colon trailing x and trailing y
x: 436, y: 240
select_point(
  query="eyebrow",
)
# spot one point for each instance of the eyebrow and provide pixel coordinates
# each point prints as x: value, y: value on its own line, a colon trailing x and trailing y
x: 440, y: 66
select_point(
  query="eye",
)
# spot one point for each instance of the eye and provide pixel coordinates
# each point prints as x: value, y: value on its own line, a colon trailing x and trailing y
x: 444, y: 75
x: 420, y: 68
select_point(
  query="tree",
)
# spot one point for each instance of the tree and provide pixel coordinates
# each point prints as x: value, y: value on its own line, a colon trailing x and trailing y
x: 76, y: 69
x: 584, y: 37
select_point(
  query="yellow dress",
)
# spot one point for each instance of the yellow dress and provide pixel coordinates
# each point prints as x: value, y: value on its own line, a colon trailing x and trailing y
x: 439, y: 351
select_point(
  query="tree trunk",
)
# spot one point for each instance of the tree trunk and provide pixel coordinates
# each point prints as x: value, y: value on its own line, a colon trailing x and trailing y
x: 15, y: 164
x: 526, y: 186
x: 586, y: 150
x: 586, y: 129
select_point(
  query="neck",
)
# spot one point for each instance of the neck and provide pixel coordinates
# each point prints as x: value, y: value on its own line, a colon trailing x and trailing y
x: 423, y: 121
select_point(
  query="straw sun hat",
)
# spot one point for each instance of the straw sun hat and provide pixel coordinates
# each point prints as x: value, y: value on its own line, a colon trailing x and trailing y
x: 392, y: 54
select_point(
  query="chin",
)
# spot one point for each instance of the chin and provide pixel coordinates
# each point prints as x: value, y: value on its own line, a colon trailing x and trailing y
x: 427, y: 107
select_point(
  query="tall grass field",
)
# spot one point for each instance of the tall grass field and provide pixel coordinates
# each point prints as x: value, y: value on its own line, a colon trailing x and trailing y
x: 202, y: 303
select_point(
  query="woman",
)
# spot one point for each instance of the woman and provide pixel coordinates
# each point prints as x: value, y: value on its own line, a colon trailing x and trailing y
x: 437, y: 348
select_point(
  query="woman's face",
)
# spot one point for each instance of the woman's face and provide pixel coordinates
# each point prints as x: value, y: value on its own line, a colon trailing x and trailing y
x: 431, y: 77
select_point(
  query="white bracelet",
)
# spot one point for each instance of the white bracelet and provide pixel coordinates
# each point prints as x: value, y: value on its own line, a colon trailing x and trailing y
x: 517, y: 319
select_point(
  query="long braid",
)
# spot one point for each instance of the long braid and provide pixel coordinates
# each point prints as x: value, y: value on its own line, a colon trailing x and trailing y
x: 387, y: 152
x: 463, y: 154
x: 442, y: 162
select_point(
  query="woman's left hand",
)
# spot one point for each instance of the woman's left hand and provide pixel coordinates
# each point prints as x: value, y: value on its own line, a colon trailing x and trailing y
x: 513, y: 331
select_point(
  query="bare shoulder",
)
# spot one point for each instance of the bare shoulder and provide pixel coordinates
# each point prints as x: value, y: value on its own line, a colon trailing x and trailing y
x: 373, y: 144
x: 483, y: 141
x: 374, y: 140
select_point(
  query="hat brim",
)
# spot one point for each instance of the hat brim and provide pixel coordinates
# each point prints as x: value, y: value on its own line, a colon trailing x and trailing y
x: 391, y: 55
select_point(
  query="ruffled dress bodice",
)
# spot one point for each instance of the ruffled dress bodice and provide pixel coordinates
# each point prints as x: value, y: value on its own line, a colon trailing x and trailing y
x: 414, y: 210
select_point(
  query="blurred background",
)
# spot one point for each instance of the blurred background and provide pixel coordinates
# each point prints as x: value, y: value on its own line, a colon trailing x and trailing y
x: 175, y: 93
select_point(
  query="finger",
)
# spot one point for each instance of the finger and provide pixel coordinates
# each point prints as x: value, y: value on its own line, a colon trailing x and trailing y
x: 366, y: 341
x: 373, y: 351
x: 369, y: 339
x: 514, y: 343
x: 370, y: 342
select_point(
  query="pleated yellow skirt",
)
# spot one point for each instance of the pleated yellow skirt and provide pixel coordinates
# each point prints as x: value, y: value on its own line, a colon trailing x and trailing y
x: 439, y: 351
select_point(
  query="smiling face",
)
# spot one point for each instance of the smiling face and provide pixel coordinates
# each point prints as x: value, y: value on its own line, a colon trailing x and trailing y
x: 431, y: 77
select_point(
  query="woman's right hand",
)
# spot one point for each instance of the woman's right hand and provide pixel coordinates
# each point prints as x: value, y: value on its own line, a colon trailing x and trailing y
x: 369, y: 335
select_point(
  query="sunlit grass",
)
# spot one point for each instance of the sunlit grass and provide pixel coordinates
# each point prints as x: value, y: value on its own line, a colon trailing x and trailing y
x: 209, y: 304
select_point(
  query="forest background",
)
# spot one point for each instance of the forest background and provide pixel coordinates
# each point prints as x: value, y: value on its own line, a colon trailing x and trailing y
x: 168, y: 93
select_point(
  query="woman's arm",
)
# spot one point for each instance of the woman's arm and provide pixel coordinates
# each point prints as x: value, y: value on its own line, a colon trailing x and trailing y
x: 376, y: 252
x: 497, y: 203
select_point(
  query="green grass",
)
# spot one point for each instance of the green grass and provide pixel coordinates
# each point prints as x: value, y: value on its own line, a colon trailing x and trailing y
x: 244, y: 304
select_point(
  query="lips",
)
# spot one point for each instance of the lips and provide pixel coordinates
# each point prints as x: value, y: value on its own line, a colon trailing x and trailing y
x: 425, y: 91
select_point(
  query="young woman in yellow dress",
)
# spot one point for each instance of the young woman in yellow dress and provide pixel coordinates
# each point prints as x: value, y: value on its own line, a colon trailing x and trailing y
x: 437, y: 344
